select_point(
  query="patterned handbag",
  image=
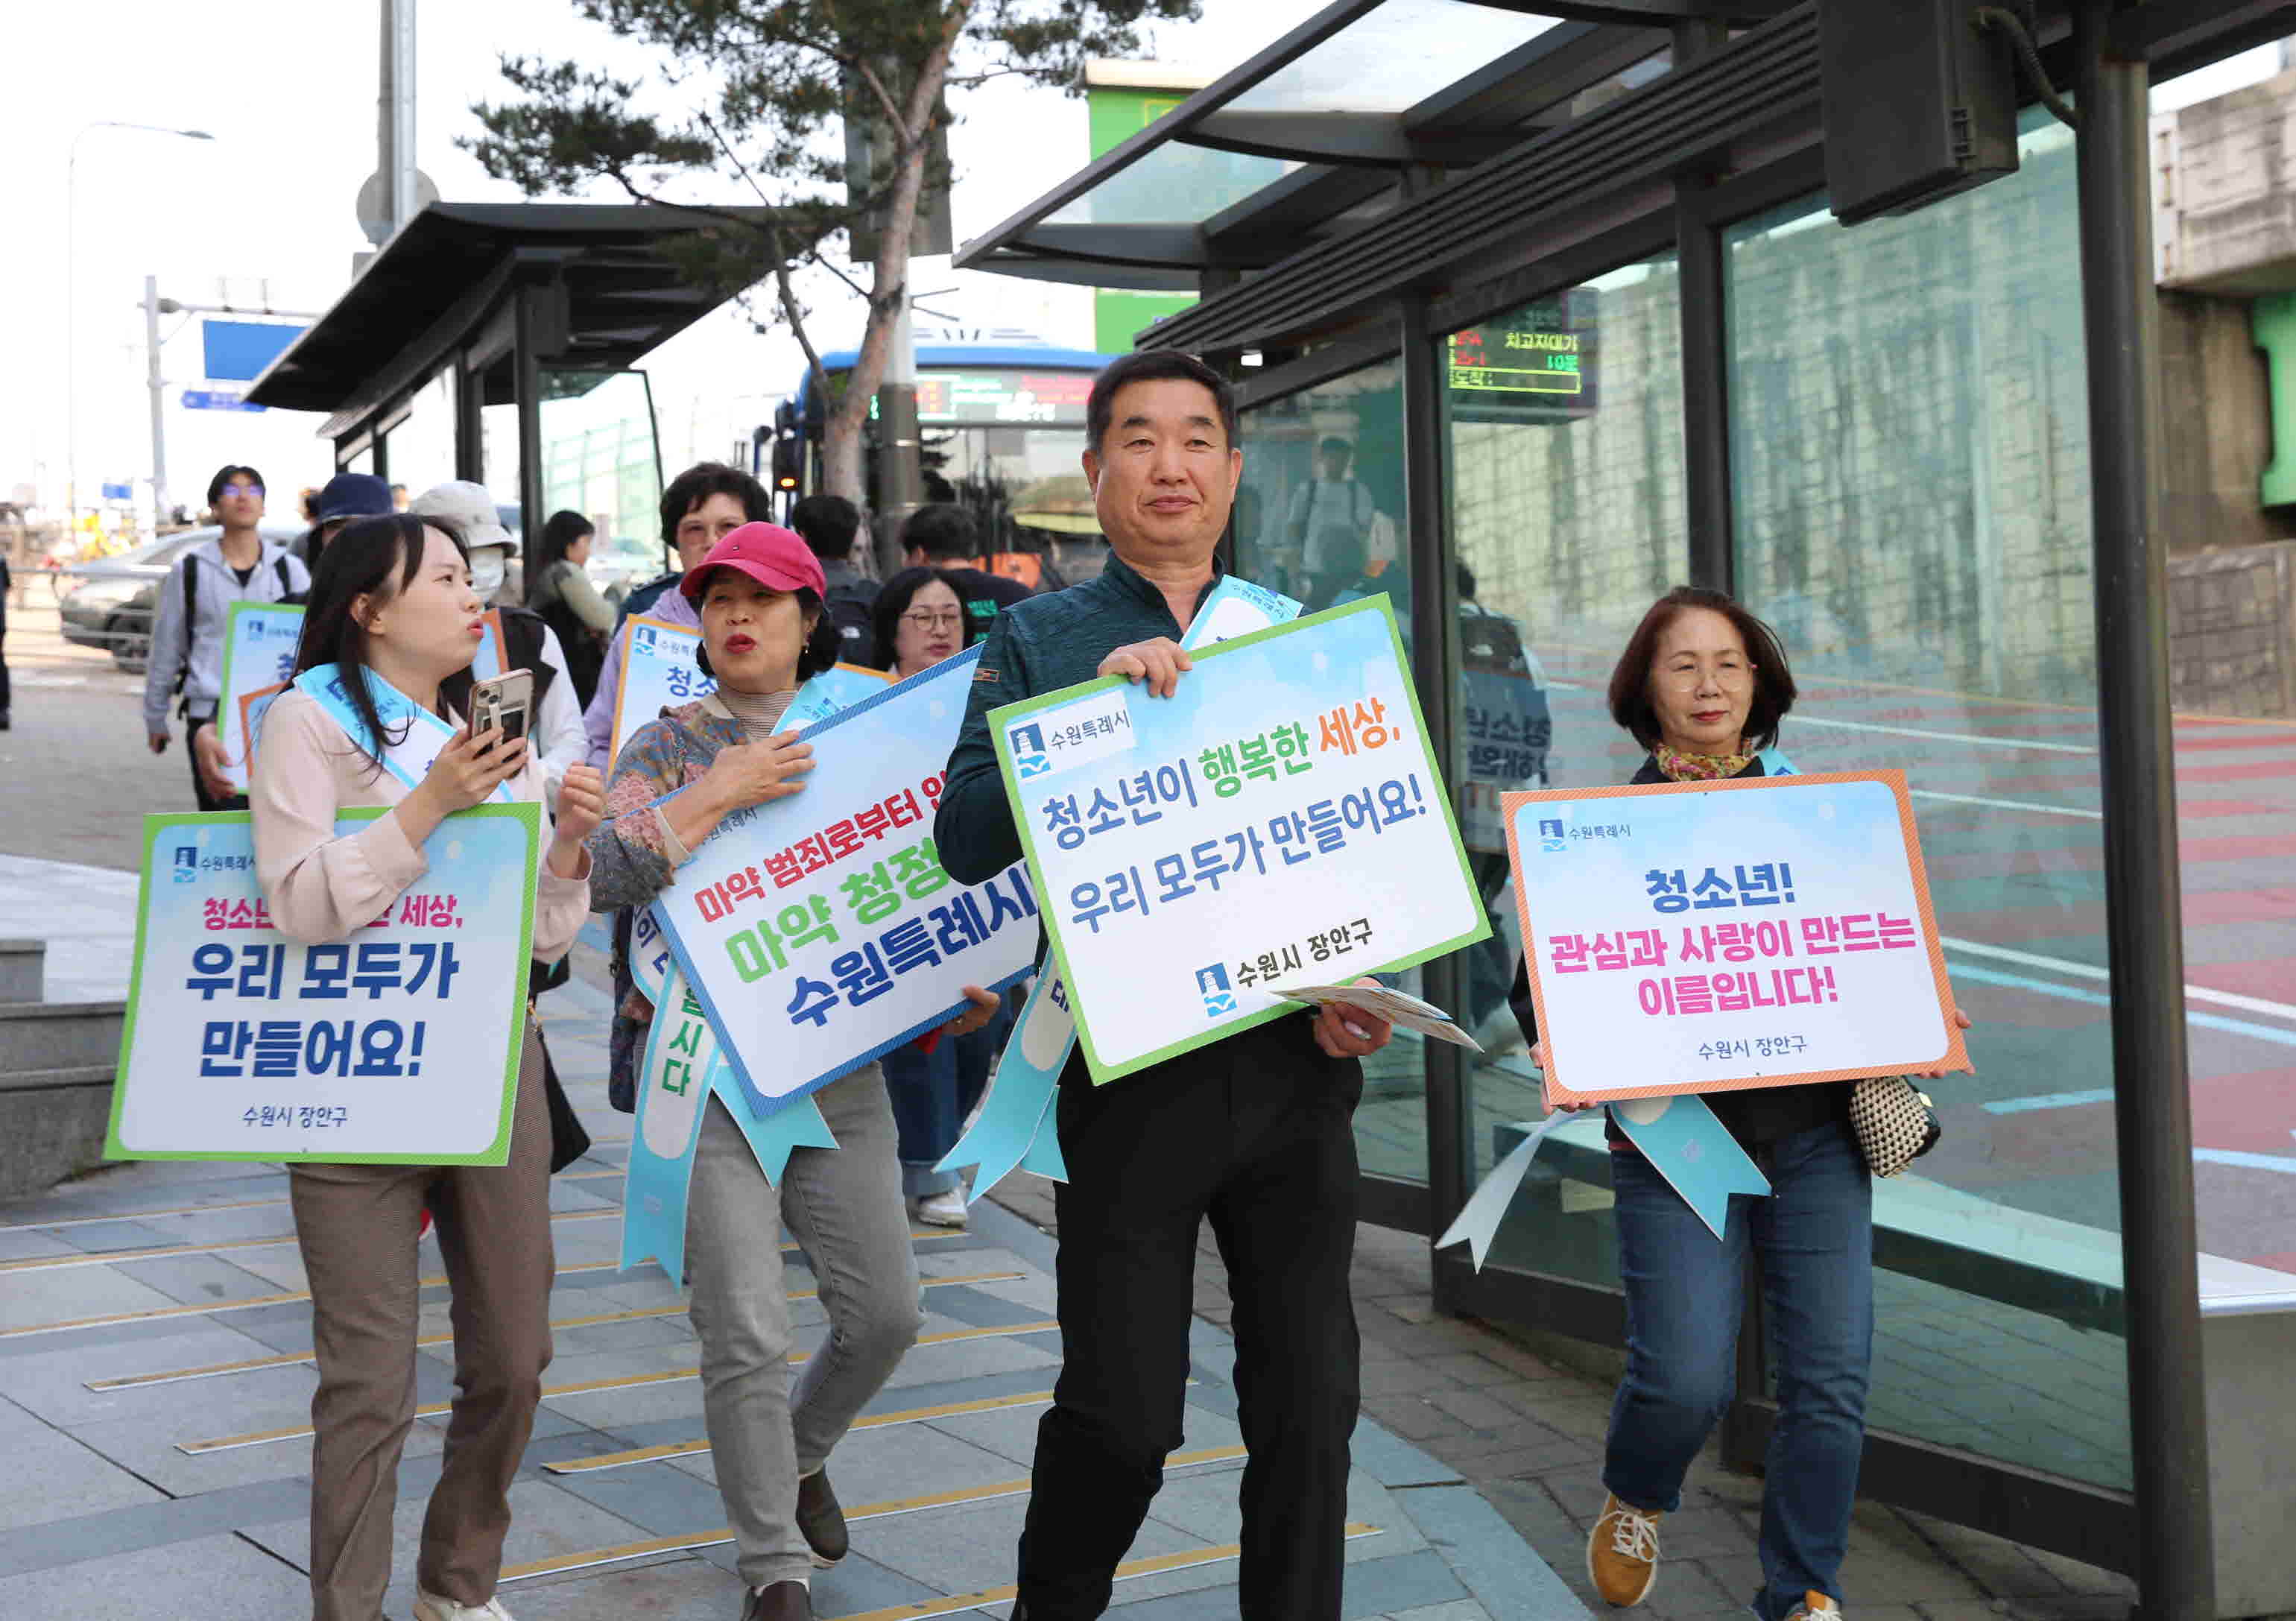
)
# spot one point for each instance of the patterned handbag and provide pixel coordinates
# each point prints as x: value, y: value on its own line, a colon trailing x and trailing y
x: 1895, y: 1121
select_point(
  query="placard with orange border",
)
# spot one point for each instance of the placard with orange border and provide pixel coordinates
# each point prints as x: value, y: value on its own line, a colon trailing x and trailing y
x: 1831, y: 970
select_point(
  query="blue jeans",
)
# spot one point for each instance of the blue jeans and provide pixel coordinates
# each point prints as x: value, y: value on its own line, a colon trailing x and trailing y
x: 931, y: 1094
x: 1685, y: 1294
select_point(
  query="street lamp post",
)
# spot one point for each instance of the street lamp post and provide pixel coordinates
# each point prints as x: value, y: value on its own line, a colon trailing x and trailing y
x: 71, y: 297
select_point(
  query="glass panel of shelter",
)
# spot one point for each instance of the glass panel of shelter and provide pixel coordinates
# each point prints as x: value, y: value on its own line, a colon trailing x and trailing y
x: 599, y: 456
x: 1563, y: 454
x: 1909, y: 460
x: 1319, y: 516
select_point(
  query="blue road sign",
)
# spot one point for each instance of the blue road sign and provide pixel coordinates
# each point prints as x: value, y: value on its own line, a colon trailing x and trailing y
x: 120, y: 492
x: 217, y: 399
x: 237, y: 351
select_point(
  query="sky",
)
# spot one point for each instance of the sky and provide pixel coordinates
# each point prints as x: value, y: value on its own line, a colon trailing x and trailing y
x: 288, y: 89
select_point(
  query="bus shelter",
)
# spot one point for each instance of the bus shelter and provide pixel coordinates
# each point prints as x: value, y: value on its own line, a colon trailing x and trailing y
x: 1538, y: 309
x: 498, y: 342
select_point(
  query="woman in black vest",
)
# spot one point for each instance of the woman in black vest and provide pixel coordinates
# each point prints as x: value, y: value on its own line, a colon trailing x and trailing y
x: 1702, y: 685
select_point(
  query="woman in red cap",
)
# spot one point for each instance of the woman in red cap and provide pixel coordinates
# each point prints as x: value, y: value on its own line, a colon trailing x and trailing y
x: 759, y: 593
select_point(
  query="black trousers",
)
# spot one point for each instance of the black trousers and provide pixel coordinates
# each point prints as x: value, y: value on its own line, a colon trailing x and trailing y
x: 208, y: 801
x: 1257, y: 1134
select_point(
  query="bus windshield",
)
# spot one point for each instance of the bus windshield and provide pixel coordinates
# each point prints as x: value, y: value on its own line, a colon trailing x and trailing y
x: 1001, y: 427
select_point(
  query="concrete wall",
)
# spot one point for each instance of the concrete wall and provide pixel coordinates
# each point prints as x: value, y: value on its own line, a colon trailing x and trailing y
x: 2230, y: 614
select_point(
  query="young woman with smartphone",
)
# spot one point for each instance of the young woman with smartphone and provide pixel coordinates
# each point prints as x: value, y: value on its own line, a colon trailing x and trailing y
x: 393, y: 613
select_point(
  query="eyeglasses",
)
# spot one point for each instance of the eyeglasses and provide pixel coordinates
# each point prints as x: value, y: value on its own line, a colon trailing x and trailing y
x: 949, y: 619
x: 1724, y: 675
x: 255, y: 490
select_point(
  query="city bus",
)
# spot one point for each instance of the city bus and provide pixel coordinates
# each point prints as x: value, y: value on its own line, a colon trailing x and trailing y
x: 1001, y: 415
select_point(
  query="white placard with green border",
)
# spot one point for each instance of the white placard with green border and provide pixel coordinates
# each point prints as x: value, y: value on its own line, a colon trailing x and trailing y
x: 1278, y: 819
x: 259, y: 652
x: 399, y: 1045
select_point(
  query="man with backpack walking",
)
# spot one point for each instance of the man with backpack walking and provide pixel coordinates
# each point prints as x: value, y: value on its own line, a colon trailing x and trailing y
x: 194, y: 611
x: 827, y: 525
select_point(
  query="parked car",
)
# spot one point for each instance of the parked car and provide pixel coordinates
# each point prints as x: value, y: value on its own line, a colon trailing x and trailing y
x: 621, y: 563
x: 110, y: 606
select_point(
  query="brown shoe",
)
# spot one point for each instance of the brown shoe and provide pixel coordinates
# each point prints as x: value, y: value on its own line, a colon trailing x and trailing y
x: 1622, y: 1553
x: 820, y: 1520
x: 783, y: 1601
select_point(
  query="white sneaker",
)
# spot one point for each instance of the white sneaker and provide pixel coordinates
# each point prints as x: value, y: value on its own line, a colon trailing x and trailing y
x: 431, y: 1607
x: 945, y: 1210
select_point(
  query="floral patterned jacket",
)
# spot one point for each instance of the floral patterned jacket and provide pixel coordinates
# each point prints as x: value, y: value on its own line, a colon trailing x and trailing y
x: 629, y: 855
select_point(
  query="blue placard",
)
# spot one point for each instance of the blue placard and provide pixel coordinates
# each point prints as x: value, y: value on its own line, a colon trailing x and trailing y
x: 818, y: 931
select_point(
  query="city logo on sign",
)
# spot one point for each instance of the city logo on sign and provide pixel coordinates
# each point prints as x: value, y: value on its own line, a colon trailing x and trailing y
x: 642, y: 638
x: 1212, y: 983
x: 1027, y: 745
x: 187, y: 864
x: 1550, y: 835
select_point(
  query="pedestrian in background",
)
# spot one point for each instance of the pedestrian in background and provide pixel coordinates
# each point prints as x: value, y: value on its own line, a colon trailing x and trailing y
x: 344, y: 496
x: 1255, y: 1133
x: 828, y: 525
x: 1702, y: 685
x: 189, y: 620
x: 394, y: 611
x: 944, y: 536
x: 757, y: 597
x: 933, y: 1083
x: 7, y: 583
x: 702, y: 505
x: 469, y: 512
x: 559, y: 589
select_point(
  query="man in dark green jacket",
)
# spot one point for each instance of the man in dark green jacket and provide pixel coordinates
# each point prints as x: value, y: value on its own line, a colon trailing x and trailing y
x: 1255, y: 1133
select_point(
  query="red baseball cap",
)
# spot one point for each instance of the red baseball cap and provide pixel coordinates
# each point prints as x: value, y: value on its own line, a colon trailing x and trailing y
x: 766, y: 552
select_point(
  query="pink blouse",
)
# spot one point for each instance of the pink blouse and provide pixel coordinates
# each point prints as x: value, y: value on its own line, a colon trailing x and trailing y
x: 322, y: 886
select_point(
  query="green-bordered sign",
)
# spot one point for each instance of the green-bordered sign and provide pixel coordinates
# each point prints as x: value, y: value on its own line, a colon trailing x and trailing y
x: 397, y: 1045
x: 1278, y: 822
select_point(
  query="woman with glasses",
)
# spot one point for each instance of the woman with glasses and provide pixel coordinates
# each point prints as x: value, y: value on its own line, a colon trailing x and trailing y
x: 1703, y: 685
x: 919, y: 620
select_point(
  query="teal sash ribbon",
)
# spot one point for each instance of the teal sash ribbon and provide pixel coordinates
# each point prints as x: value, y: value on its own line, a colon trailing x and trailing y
x: 1010, y: 1133
x: 681, y: 1070
x: 424, y: 735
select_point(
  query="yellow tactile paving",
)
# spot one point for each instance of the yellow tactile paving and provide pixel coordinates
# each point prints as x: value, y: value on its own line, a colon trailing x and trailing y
x: 624, y: 1551
x: 293, y: 1358
x: 591, y: 1387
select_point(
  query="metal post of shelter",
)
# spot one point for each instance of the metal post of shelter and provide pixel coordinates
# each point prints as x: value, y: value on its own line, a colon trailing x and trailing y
x: 527, y: 368
x: 2167, y: 1416
x: 1434, y: 636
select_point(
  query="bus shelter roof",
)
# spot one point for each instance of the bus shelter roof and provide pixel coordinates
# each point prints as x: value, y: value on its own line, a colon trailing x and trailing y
x: 437, y: 285
x: 1334, y: 125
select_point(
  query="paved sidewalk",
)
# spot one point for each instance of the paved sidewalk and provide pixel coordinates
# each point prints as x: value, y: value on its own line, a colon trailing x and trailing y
x: 1527, y: 1435
x: 1476, y: 1458
x: 155, y: 1391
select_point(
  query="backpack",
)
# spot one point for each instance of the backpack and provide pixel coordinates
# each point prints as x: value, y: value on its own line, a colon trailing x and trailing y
x: 522, y: 629
x: 849, y: 609
x: 288, y: 597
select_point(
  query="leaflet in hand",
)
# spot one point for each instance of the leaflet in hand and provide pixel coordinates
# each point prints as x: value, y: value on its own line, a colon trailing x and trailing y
x: 1395, y: 1007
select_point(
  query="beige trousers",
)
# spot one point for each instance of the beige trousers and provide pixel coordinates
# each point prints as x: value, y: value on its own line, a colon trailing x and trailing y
x: 359, y: 1226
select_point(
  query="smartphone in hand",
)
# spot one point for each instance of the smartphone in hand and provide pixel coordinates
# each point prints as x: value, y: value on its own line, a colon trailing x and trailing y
x: 504, y: 703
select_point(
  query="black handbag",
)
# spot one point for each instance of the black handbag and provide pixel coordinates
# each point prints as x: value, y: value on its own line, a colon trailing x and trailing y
x: 569, y: 1140
x: 1895, y: 1122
